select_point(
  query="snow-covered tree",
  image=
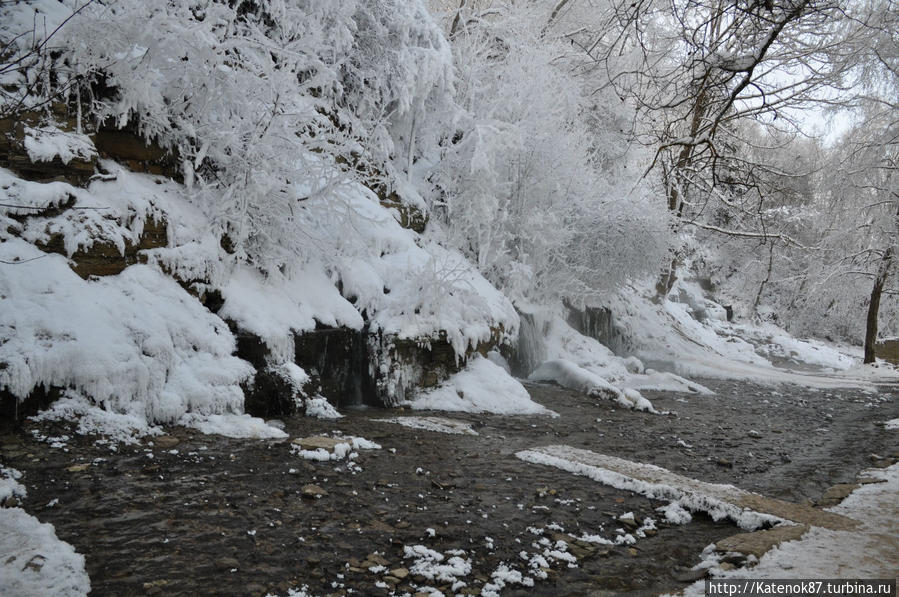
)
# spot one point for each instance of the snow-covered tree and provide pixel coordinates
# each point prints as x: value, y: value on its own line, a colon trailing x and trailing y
x: 531, y: 182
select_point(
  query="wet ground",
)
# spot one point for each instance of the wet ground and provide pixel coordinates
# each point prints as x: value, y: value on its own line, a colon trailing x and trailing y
x: 205, y: 515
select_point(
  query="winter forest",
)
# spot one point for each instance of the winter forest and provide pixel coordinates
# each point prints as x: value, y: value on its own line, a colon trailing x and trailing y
x: 247, y: 245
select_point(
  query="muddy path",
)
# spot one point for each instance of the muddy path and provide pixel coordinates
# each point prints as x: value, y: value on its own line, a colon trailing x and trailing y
x: 206, y: 515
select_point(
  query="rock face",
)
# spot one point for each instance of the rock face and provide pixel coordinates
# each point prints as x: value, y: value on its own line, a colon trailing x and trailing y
x: 104, y: 258
x: 338, y: 358
x: 598, y: 323
x: 128, y: 147
x: 12, y: 410
x: 14, y: 156
x: 349, y: 367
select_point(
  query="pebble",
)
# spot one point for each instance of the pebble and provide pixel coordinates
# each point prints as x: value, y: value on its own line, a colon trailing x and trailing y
x: 313, y: 491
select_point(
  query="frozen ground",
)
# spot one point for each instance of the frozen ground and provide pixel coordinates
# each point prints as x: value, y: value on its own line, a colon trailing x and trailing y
x: 431, y: 509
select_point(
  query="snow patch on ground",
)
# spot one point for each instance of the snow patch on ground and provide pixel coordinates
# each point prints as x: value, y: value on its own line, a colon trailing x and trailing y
x: 346, y: 448
x: 706, y: 497
x: 34, y: 562
x: 320, y: 408
x: 241, y: 426
x: 9, y: 484
x: 892, y: 424
x: 437, y: 424
x: 481, y: 387
x: 680, y: 336
x: 435, y: 566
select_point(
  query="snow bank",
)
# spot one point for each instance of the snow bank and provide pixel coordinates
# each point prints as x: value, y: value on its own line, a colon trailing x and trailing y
x: 34, y: 562
x: 568, y: 375
x: 274, y: 308
x: 481, y: 387
x: 239, y: 426
x: 557, y: 340
x: 137, y: 343
x: 867, y: 552
x: 125, y: 428
x: 409, y: 285
x: 714, y: 499
x: 678, y: 335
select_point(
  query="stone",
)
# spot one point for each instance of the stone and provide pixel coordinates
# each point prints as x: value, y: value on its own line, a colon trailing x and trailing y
x: 228, y: 563
x: 166, y: 441
x: 377, y: 559
x: 836, y: 494
x: 313, y: 491
x: 77, y: 468
x: 759, y: 542
x: 318, y: 443
x: 689, y: 576
x: 399, y: 573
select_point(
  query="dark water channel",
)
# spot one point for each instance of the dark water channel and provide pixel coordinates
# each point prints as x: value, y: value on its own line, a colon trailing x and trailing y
x: 215, y: 516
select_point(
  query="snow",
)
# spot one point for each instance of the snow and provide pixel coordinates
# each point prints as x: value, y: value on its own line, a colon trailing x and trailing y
x: 551, y: 338
x: 434, y: 565
x: 320, y: 408
x: 9, y: 484
x: 481, y: 387
x: 654, y: 482
x: 437, y: 424
x: 240, y: 426
x: 569, y: 375
x: 675, y: 513
x: 291, y: 304
x: 870, y: 551
x: 46, y: 143
x: 342, y: 450
x: 678, y: 335
x: 892, y: 424
x: 125, y: 428
x: 34, y: 562
x: 137, y: 342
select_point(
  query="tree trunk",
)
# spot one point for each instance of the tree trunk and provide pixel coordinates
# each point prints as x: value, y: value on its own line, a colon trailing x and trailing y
x: 874, y: 305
